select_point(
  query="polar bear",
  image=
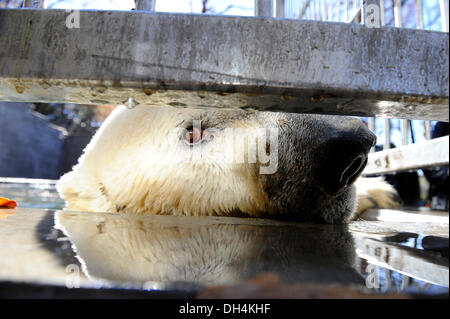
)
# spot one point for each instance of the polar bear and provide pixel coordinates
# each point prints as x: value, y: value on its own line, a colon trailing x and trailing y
x: 227, y: 162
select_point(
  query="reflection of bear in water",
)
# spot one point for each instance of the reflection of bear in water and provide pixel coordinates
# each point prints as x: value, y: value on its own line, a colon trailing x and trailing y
x: 209, y: 251
x: 132, y: 166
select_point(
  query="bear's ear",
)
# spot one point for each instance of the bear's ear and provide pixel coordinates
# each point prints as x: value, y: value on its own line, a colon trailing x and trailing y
x: 78, y: 190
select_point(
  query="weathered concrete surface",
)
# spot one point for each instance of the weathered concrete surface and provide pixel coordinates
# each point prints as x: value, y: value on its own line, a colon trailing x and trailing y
x: 196, y: 60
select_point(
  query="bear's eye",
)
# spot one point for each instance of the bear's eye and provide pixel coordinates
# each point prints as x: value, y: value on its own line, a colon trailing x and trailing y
x: 194, y: 135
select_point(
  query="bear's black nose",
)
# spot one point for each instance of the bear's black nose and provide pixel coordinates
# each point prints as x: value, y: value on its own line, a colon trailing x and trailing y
x: 343, y: 154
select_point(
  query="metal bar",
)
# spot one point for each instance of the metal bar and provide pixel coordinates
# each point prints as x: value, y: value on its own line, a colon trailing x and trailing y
x: 444, y: 14
x: 314, y: 10
x: 264, y: 8
x: 382, y: 21
x: 398, y: 13
x: 338, y: 11
x: 163, y: 58
x: 404, y: 130
x: 419, y: 14
x: 427, y: 127
x: 280, y: 8
x: 371, y: 125
x: 346, y: 10
x: 323, y: 10
x: 329, y: 6
x: 387, y: 275
x: 387, y: 134
x: 145, y: 5
x: 424, y: 154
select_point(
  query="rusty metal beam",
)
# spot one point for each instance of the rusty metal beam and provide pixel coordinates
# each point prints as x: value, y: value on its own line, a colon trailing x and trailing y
x: 204, y: 61
x: 431, y: 153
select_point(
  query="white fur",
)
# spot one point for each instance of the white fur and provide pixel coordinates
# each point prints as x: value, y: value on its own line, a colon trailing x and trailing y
x: 139, y: 151
x: 374, y: 193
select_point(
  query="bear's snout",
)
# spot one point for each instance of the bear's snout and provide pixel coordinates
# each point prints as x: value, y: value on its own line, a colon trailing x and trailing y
x: 343, y: 156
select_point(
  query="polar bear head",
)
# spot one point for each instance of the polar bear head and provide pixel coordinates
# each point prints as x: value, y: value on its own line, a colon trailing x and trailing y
x: 174, y: 161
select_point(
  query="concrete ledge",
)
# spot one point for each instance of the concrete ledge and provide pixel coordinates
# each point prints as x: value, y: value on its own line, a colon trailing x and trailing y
x: 431, y: 153
x: 198, y: 60
x: 398, y: 216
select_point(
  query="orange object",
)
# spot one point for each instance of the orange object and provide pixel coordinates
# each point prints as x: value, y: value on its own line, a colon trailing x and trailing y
x: 7, y: 203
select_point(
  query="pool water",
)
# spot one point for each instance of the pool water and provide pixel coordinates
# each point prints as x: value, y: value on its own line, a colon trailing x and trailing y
x: 31, y: 193
x: 45, y: 245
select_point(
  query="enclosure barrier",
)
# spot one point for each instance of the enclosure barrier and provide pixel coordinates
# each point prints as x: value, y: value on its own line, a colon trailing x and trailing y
x: 295, y: 66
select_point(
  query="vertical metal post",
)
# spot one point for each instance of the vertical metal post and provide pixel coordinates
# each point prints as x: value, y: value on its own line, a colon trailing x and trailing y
x: 405, y: 282
x: 313, y: 8
x: 371, y: 125
x: 355, y: 6
x: 382, y: 22
x: 444, y: 14
x: 346, y: 11
x: 280, y: 9
x: 387, y: 134
x: 324, y: 11
x: 33, y: 4
x: 398, y: 13
x: 405, y: 131
x: 309, y: 11
x: 338, y: 11
x: 264, y: 8
x: 419, y: 14
x: 330, y: 11
x: 387, y: 274
x: 145, y: 5
x: 317, y: 10
x: 427, y: 127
